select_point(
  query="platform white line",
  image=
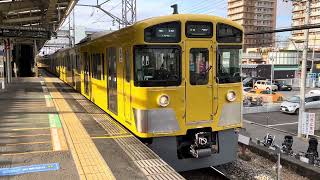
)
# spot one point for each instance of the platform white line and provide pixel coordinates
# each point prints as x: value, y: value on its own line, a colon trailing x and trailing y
x: 48, y: 100
x: 283, y: 124
x: 246, y: 121
x: 44, y: 89
x: 55, y: 139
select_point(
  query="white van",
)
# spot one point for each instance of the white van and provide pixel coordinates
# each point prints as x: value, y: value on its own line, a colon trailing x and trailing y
x: 264, y: 84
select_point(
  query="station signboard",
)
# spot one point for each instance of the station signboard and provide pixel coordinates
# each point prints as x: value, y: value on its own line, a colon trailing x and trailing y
x: 308, y: 123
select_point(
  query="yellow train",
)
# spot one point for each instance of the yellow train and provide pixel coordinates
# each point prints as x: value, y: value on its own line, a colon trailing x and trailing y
x: 173, y: 81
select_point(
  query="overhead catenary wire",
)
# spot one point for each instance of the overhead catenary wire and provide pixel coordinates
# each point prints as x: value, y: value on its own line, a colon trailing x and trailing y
x: 216, y: 10
x: 201, y: 7
x: 303, y: 27
x: 195, y: 5
x: 209, y: 7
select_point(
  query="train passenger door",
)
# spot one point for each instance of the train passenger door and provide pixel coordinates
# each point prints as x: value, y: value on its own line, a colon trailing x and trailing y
x: 127, y: 85
x: 72, y: 69
x: 112, y: 80
x: 87, y: 74
x: 199, y: 83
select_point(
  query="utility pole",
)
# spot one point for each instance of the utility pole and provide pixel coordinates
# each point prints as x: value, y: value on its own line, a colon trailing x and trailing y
x: 304, y: 69
x: 35, y: 52
x: 314, y: 46
x: 129, y: 12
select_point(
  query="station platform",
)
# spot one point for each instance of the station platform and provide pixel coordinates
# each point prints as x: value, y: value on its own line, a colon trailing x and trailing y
x: 44, y: 121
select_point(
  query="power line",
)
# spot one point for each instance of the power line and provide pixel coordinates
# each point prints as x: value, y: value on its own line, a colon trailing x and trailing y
x: 201, y: 7
x: 210, y: 8
x: 194, y: 6
x: 215, y: 10
x: 303, y: 27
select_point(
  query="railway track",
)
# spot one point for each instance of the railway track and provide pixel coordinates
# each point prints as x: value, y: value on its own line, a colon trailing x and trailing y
x: 210, y: 173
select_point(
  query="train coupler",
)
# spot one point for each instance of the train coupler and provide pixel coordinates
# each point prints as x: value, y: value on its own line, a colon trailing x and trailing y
x: 201, y: 146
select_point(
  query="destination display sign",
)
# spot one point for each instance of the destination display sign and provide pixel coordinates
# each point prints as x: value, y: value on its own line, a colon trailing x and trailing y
x: 166, y: 32
x: 163, y: 33
x: 199, y: 29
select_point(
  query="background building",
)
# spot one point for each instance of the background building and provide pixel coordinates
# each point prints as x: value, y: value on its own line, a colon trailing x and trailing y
x: 298, y: 17
x: 63, y: 39
x: 254, y: 15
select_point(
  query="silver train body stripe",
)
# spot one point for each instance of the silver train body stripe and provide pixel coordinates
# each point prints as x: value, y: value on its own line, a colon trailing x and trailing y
x: 156, y: 120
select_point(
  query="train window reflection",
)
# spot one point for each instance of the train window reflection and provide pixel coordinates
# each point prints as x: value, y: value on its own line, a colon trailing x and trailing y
x: 157, y: 66
x: 198, y: 66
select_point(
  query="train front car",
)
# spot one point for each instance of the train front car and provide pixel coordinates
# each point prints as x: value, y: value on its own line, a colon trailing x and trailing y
x: 186, y: 97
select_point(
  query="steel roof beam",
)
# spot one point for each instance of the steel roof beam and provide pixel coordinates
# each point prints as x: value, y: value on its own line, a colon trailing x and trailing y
x: 12, y: 16
x: 51, y: 11
x: 24, y: 19
x: 16, y: 6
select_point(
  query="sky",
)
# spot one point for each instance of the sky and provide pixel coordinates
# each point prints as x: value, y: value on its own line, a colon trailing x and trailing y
x: 96, y: 19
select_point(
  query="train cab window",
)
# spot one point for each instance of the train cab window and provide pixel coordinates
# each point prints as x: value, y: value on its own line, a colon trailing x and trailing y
x: 128, y: 65
x: 157, y: 66
x: 169, y: 32
x: 198, y: 66
x: 228, y: 64
x: 228, y: 34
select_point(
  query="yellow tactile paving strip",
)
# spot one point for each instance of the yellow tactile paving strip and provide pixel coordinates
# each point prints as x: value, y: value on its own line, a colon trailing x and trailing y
x: 89, y: 162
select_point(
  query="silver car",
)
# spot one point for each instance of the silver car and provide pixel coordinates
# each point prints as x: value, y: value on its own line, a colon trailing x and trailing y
x: 292, y: 105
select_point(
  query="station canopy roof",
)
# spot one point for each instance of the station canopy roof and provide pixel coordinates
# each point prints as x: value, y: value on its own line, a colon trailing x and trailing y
x: 26, y: 20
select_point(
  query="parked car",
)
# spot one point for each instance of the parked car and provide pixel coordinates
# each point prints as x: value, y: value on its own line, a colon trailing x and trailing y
x: 266, y: 96
x: 292, y: 105
x: 282, y: 86
x: 246, y: 101
x: 246, y: 90
x: 249, y: 81
x: 314, y: 92
x: 266, y: 85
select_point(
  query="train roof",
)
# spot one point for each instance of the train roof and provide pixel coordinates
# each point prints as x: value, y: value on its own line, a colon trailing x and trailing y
x: 157, y: 20
x: 173, y: 17
x: 187, y: 17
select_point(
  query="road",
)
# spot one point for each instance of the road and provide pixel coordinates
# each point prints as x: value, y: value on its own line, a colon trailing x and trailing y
x: 285, y: 122
x: 278, y: 120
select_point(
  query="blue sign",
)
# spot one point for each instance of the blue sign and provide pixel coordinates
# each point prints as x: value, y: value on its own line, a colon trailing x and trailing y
x: 29, y: 169
x: 312, y: 75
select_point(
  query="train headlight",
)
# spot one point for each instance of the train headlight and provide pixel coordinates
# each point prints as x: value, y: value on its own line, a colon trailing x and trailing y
x: 163, y: 100
x: 231, y: 96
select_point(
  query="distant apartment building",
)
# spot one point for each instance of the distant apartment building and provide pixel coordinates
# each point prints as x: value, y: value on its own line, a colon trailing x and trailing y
x: 254, y: 15
x: 298, y: 19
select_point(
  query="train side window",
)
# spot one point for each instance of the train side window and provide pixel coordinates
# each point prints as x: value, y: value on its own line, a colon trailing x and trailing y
x: 198, y: 66
x: 128, y: 65
x: 96, y: 66
x: 103, y: 65
x: 93, y: 66
x: 99, y: 66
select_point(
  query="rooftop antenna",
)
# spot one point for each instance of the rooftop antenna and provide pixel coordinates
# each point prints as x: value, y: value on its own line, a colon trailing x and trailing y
x: 175, y: 8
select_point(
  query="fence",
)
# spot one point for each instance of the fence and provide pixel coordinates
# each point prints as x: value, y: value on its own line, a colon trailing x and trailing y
x: 310, y: 83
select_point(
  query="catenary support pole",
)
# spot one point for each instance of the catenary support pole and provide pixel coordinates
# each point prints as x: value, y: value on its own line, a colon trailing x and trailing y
x: 304, y: 70
x: 35, y: 51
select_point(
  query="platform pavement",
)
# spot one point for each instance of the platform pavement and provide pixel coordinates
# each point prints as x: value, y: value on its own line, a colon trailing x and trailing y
x: 260, y: 131
x: 26, y: 132
x: 43, y: 120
